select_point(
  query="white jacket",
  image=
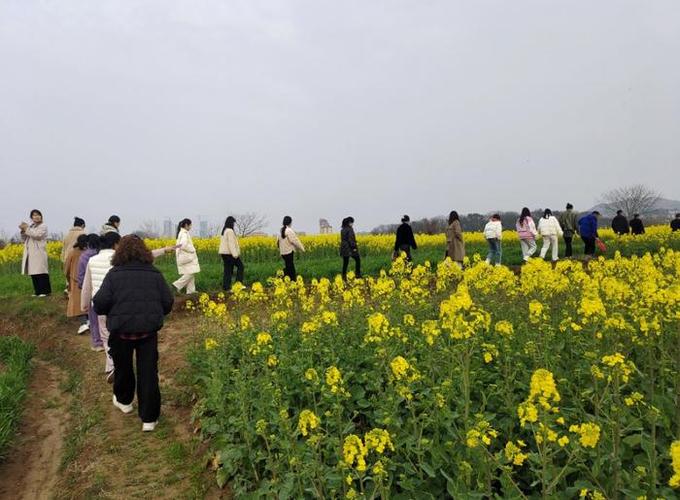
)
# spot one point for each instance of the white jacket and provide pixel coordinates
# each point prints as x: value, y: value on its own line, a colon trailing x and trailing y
x: 229, y: 243
x: 493, y: 229
x: 97, y: 268
x: 290, y: 243
x: 549, y: 226
x: 187, y: 258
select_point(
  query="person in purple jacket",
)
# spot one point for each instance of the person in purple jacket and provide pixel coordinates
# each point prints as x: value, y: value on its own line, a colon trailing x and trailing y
x: 91, y: 250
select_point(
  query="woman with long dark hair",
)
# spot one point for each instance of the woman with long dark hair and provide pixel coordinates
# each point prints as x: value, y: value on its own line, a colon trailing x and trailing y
x: 133, y: 325
x: 187, y: 258
x: 549, y: 228
x: 455, y: 245
x: 34, y: 261
x: 288, y: 243
x: 526, y: 230
x: 231, y: 254
x: 349, y: 248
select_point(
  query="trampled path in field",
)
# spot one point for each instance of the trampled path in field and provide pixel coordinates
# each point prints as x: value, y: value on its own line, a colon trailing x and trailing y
x: 73, y: 443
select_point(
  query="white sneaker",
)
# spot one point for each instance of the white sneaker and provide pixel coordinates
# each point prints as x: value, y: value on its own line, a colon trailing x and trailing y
x: 98, y: 348
x: 42, y: 295
x: 149, y: 426
x: 83, y: 328
x: 122, y: 407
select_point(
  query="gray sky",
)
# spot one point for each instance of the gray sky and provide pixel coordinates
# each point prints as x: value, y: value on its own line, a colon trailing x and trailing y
x: 326, y: 109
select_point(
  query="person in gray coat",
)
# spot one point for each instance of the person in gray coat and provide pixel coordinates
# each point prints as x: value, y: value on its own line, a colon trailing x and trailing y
x: 348, y: 248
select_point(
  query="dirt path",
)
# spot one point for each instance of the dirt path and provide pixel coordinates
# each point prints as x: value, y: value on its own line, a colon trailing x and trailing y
x: 31, y: 470
x: 75, y: 444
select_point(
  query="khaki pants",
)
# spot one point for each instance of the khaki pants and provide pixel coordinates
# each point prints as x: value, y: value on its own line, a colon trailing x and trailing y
x: 104, y: 335
x: 188, y: 281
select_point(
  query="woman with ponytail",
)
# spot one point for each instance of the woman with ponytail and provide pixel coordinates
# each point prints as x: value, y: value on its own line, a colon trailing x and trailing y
x: 231, y: 254
x: 187, y: 258
x: 288, y: 242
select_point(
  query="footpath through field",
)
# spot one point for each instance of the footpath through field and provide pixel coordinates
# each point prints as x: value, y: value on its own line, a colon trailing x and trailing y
x: 73, y: 443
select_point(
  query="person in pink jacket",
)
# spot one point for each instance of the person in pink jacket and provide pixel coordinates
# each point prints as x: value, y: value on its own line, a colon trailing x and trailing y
x: 526, y: 230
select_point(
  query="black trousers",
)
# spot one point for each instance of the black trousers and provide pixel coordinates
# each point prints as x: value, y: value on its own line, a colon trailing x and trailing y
x: 229, y: 262
x: 148, y: 393
x: 567, y: 245
x: 357, y: 266
x: 289, y: 266
x: 589, y: 245
x: 41, y: 284
x: 406, y: 249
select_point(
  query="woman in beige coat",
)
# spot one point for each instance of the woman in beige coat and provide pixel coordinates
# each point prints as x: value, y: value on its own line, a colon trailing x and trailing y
x: 71, y: 238
x: 34, y: 261
x: 455, y: 245
x: 187, y: 258
x: 73, y: 308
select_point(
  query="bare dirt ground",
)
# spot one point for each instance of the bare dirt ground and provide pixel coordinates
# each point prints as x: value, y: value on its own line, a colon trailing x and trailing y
x: 73, y: 443
x: 31, y: 470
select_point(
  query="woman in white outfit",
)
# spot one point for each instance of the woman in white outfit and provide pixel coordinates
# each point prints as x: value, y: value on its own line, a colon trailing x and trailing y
x: 549, y: 229
x: 187, y: 258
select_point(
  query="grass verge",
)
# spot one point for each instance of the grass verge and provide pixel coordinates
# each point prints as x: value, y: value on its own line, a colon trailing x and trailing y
x: 15, y: 370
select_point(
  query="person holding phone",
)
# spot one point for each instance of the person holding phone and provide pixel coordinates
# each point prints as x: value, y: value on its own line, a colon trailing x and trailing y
x: 187, y: 258
x: 34, y: 261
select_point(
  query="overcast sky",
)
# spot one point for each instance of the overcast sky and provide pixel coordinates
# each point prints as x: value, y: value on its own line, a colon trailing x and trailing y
x: 150, y: 109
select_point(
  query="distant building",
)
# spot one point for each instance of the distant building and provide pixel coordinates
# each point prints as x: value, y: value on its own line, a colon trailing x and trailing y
x: 168, y: 229
x: 203, y: 229
x: 325, y: 227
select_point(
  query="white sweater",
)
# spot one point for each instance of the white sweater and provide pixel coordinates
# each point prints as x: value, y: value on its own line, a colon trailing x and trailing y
x: 290, y: 243
x: 229, y: 243
x: 493, y: 229
x: 549, y: 226
x: 97, y: 268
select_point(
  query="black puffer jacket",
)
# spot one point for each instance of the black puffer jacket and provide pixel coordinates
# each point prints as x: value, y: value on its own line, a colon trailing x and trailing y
x: 135, y: 298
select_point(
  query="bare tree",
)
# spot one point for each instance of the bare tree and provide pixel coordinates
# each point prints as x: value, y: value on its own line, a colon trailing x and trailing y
x: 148, y: 229
x: 250, y: 223
x: 635, y: 199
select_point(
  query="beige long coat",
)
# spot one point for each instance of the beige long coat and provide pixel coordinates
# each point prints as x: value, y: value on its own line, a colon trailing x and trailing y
x: 34, y: 259
x: 455, y: 246
x: 71, y: 266
x: 70, y: 240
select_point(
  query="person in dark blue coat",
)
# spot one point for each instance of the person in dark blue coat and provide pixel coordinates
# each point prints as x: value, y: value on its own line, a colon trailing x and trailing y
x: 587, y: 228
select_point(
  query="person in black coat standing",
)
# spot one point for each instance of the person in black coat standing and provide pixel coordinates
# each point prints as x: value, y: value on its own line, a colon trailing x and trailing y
x: 675, y: 223
x: 135, y: 299
x: 348, y: 248
x: 405, y: 241
x: 620, y: 223
x: 636, y: 225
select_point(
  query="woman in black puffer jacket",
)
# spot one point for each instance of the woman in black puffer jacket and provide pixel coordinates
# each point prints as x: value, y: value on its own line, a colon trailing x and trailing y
x: 135, y: 298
